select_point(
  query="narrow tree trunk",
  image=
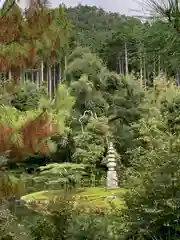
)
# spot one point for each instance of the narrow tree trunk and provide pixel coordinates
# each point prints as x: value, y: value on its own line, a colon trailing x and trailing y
x: 3, y: 83
x: 54, y: 80
x: 42, y: 72
x: 9, y: 75
x: 22, y: 75
x: 65, y: 62
x: 60, y: 73
x: 32, y: 76
x: 154, y: 71
x: 178, y: 78
x: 126, y: 59
x: 46, y: 76
x: 37, y: 79
x: 148, y: 77
x: 144, y: 67
x: 50, y: 83
x: 141, y: 71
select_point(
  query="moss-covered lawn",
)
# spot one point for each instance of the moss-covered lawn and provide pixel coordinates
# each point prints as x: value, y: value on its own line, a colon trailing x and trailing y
x: 96, y: 197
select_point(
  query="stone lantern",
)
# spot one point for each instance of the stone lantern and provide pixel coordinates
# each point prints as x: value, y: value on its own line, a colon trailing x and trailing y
x: 112, y: 179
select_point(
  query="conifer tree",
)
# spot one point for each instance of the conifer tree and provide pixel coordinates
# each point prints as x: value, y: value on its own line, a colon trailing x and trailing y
x: 25, y: 133
x: 30, y: 36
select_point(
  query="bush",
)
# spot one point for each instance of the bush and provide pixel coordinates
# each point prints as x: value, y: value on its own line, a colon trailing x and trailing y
x: 61, y: 220
x: 28, y: 97
x: 56, y: 220
x: 153, y: 204
x: 10, y: 228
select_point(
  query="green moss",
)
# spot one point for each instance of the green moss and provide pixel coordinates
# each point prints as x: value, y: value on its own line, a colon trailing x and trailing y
x: 98, y: 197
x: 42, y: 195
x: 93, y: 197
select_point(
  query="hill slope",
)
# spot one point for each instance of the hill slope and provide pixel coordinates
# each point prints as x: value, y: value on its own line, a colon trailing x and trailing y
x: 92, y: 25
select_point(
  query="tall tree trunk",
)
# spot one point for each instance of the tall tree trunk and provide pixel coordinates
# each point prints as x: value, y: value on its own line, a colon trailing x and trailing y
x: 144, y: 67
x: 32, y: 76
x: 178, y: 78
x: 126, y: 59
x: 54, y: 80
x: 60, y: 72
x: 154, y: 67
x: 9, y: 75
x: 42, y: 72
x: 50, y: 82
x: 37, y: 79
x: 141, y: 70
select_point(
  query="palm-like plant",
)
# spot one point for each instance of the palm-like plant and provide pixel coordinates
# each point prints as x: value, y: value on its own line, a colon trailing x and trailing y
x: 167, y: 9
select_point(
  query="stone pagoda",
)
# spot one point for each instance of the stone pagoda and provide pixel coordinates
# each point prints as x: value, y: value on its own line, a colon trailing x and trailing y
x: 112, y: 179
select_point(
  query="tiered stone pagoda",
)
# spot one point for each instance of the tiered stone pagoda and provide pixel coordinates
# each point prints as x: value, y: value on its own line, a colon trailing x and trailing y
x: 112, y: 179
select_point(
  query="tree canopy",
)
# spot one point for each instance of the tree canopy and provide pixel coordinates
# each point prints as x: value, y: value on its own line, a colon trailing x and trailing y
x: 119, y: 86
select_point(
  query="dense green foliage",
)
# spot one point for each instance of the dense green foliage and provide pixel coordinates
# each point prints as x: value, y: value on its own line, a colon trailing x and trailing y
x: 151, y: 47
x: 117, y: 87
x: 27, y: 97
x: 91, y: 25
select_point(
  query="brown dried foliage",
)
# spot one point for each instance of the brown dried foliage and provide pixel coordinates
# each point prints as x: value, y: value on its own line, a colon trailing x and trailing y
x: 33, y: 136
x: 5, y: 133
x: 16, y: 29
x: 10, y: 26
x: 10, y: 34
x: 4, y: 64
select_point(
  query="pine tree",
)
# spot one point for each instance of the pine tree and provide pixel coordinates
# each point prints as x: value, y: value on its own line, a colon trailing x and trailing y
x: 29, y: 132
x: 29, y: 37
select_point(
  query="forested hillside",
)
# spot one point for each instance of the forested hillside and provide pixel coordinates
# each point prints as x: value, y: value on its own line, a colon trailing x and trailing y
x: 150, y: 47
x: 92, y: 25
x: 94, y: 154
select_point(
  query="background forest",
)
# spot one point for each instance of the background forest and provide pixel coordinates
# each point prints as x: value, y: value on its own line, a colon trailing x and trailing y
x: 118, y: 83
